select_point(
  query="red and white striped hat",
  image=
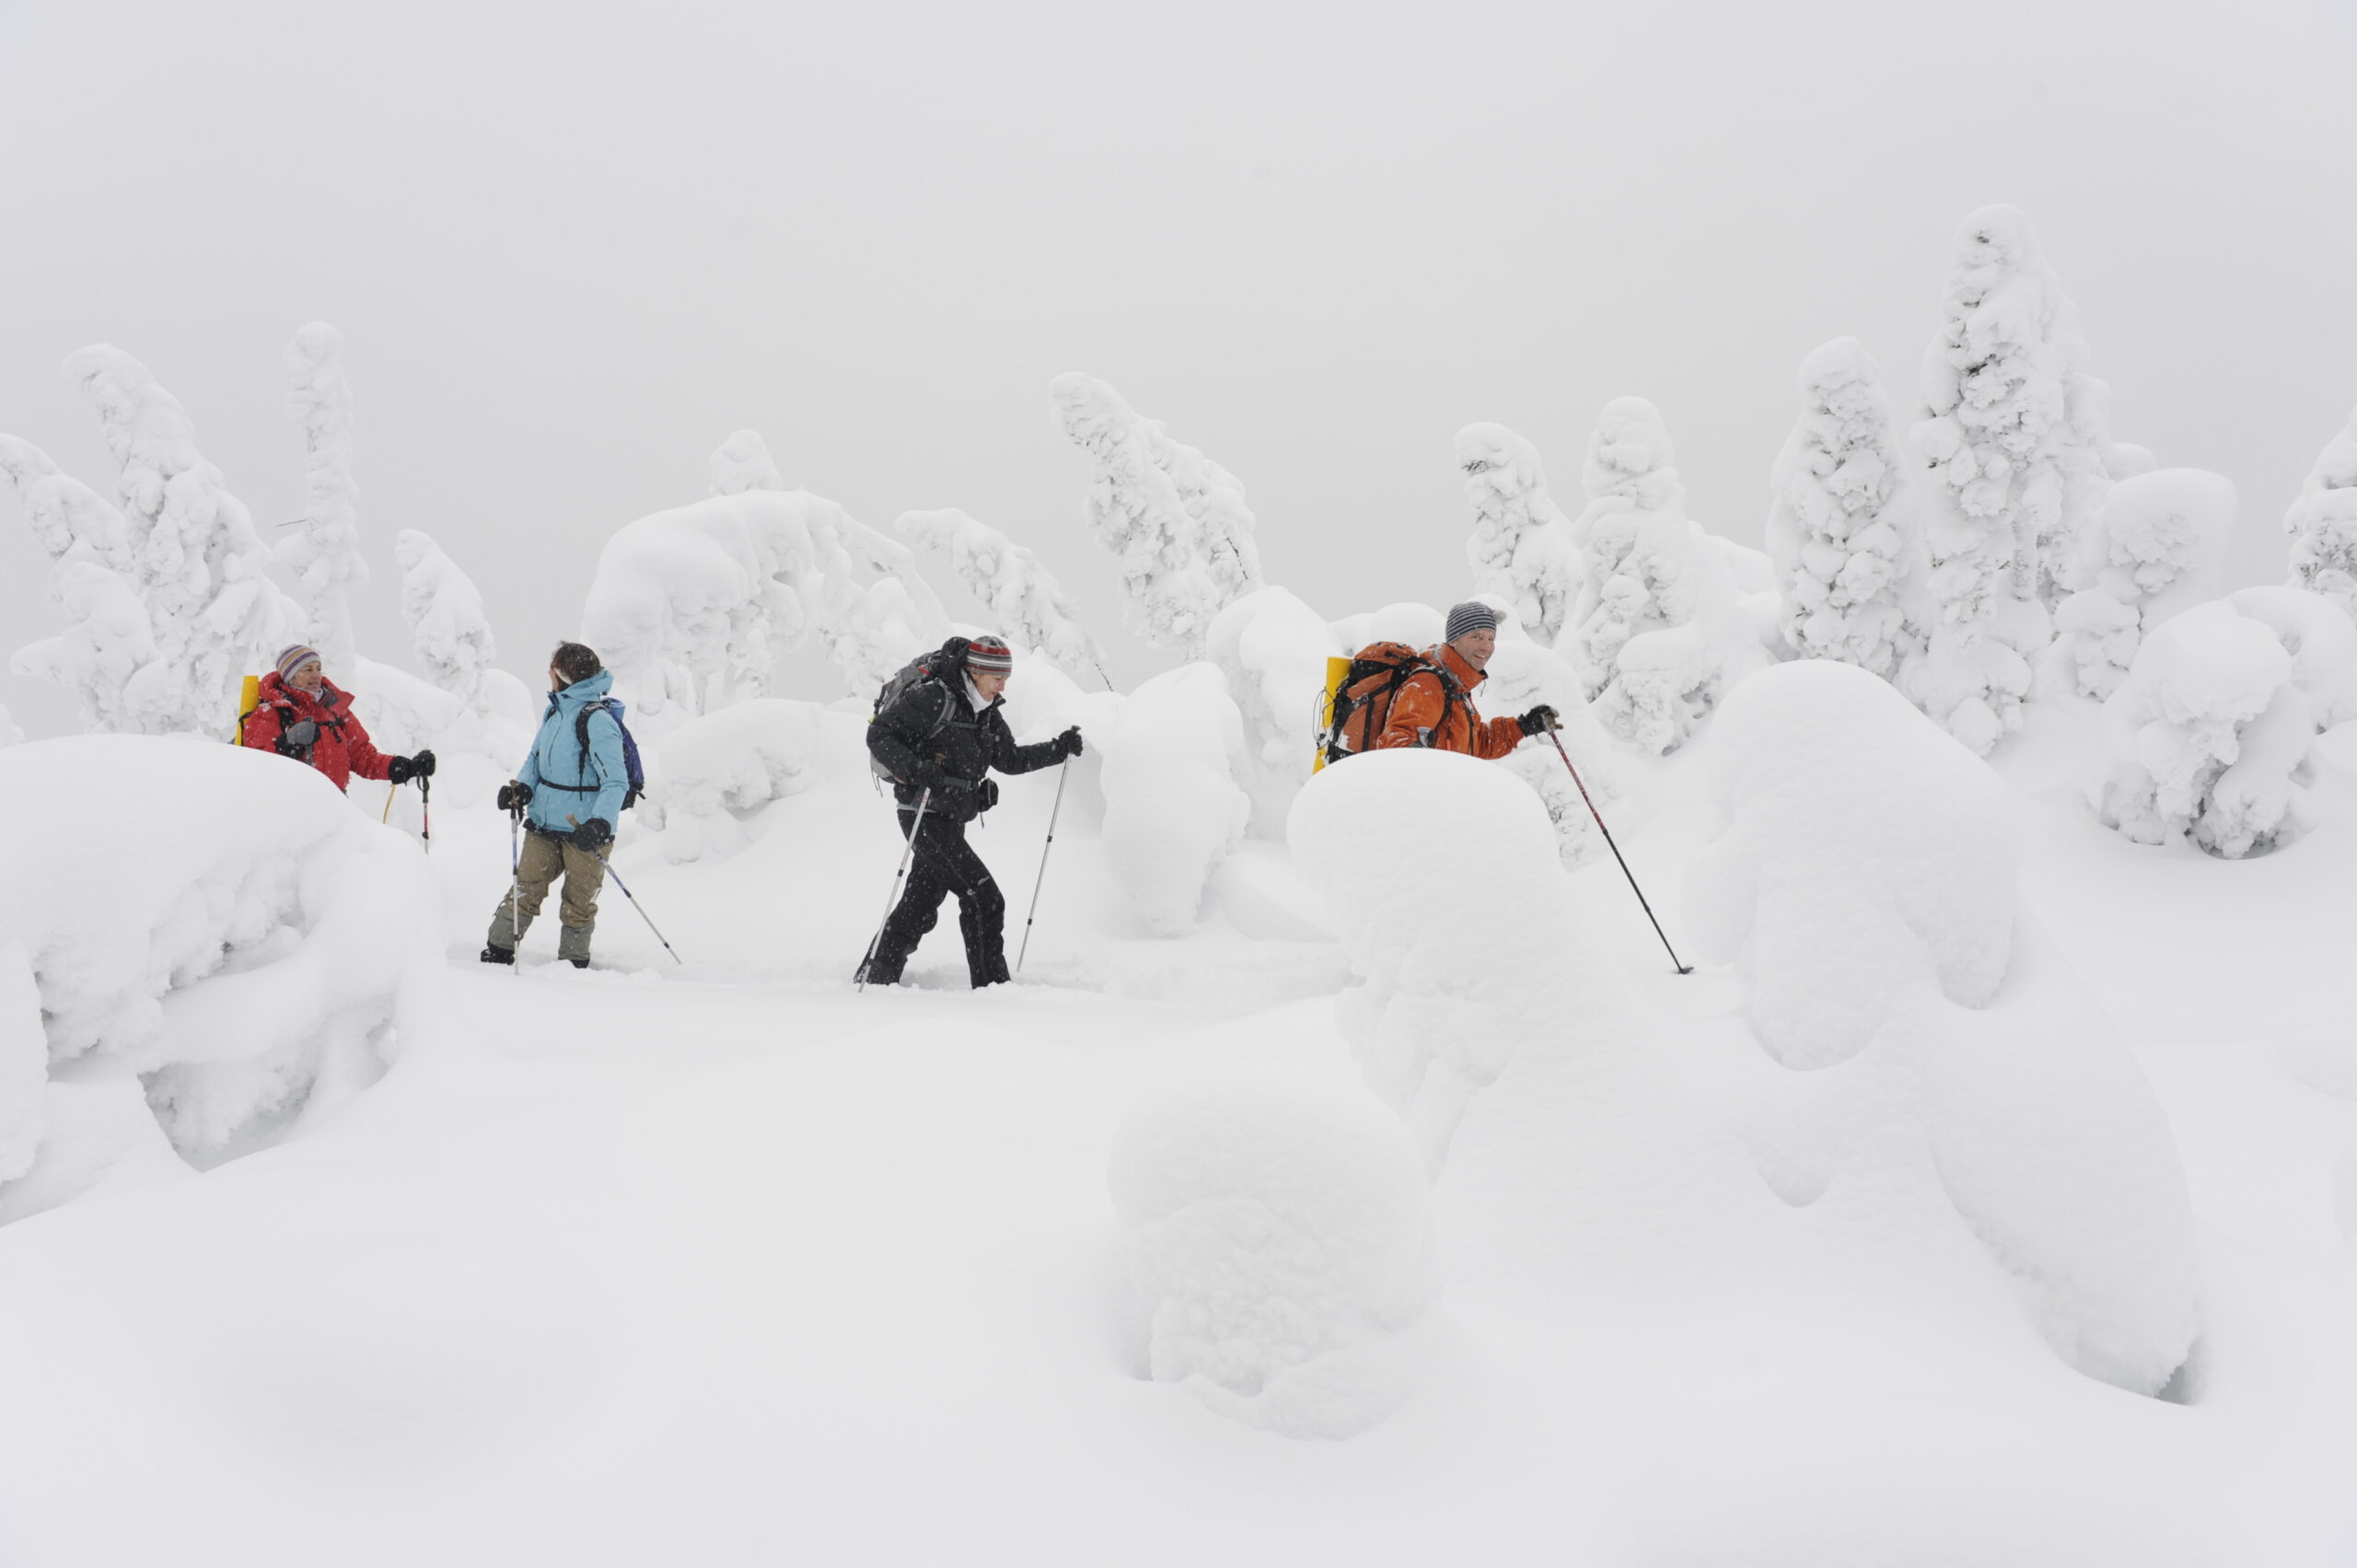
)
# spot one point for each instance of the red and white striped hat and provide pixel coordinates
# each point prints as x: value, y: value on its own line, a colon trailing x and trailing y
x: 988, y: 655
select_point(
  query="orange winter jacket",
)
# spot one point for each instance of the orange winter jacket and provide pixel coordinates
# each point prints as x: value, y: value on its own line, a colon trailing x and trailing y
x: 1424, y: 715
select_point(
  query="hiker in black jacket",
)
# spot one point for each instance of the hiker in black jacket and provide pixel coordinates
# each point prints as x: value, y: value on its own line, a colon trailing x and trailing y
x: 938, y: 740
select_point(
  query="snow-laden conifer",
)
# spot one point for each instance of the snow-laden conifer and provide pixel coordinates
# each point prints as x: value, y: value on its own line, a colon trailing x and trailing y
x: 1521, y: 545
x: 692, y: 608
x: 2161, y: 539
x: 2322, y: 523
x: 1024, y: 601
x: 199, y: 567
x: 444, y: 609
x: 2212, y: 734
x: 2015, y: 436
x: 741, y: 463
x: 324, y: 551
x: 106, y: 657
x: 1842, y: 532
x: 1656, y: 631
x: 1175, y: 520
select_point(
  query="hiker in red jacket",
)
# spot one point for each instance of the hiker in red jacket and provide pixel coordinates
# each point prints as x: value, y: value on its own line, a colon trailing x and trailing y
x: 300, y: 713
x: 1434, y: 707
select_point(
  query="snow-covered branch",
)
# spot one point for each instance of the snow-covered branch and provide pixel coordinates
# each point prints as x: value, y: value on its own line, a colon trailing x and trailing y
x: 1023, y: 599
x: 1175, y: 520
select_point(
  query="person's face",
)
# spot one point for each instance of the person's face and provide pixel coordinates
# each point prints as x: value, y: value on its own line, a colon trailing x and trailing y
x: 308, y: 675
x: 990, y: 682
x: 1475, y: 647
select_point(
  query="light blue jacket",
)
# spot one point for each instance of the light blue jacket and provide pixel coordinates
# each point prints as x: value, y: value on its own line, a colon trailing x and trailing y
x: 556, y: 761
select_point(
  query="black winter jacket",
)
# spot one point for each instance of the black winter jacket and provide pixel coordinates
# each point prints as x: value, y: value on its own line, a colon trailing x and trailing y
x: 933, y: 736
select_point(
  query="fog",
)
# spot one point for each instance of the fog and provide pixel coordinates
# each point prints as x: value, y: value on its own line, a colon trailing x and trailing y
x: 573, y: 247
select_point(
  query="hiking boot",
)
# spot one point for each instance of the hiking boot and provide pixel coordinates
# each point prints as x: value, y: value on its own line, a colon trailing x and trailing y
x: 497, y: 955
x: 578, y: 963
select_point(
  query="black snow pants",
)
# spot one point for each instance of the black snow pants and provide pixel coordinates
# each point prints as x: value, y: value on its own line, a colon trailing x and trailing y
x: 945, y: 864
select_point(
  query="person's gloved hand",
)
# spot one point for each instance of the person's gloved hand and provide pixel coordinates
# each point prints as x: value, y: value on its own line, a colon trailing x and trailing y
x: 297, y: 738
x: 1541, y: 717
x: 422, y: 765
x: 398, y: 770
x: 985, y: 795
x: 514, y: 796
x: 1068, y: 743
x: 927, y: 776
x: 593, y: 835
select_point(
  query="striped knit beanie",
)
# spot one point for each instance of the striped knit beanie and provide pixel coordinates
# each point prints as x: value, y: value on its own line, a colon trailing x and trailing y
x: 1470, y: 616
x: 294, y: 658
x: 988, y: 655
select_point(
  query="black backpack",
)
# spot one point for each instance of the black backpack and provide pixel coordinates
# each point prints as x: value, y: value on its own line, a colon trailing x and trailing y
x: 935, y: 667
x: 632, y: 766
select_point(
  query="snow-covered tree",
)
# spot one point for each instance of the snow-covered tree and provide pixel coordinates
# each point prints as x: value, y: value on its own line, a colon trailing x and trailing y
x: 2211, y: 735
x: 444, y: 609
x: 692, y: 608
x: 2015, y: 436
x: 1655, y: 632
x: 2162, y: 537
x: 106, y: 657
x: 1521, y: 545
x: 1176, y: 518
x: 2322, y: 523
x: 1844, y: 533
x: 741, y: 463
x: 324, y: 552
x: 1023, y: 597
x: 199, y: 567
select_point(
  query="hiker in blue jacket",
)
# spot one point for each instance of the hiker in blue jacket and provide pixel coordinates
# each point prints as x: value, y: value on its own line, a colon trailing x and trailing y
x: 571, y: 796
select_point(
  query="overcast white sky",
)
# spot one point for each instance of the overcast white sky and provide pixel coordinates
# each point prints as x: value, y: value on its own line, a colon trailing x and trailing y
x: 572, y: 246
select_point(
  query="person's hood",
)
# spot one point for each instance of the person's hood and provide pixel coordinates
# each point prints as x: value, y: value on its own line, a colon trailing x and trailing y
x: 588, y: 689
x: 1448, y: 657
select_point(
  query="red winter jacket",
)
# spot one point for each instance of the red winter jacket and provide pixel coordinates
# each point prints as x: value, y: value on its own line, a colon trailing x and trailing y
x: 342, y: 747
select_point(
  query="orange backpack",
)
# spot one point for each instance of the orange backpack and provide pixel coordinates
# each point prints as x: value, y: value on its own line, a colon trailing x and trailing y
x: 1362, y: 702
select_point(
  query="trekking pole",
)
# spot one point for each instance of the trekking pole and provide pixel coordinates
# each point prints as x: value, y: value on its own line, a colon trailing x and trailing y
x: 1062, y: 775
x: 894, y: 896
x: 515, y: 877
x: 1555, y: 734
x: 633, y: 900
x: 425, y: 812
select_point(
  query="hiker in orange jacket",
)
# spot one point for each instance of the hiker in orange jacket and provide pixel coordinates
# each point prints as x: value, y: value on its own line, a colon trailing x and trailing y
x: 1435, y: 708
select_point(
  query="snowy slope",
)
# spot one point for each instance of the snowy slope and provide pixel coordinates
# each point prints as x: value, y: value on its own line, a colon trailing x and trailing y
x: 720, y: 1263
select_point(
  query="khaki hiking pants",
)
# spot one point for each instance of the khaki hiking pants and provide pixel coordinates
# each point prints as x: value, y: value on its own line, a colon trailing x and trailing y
x: 543, y: 860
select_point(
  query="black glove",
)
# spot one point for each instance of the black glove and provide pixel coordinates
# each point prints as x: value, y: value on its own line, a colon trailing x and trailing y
x: 1068, y: 743
x: 422, y: 765
x: 985, y: 795
x: 398, y: 770
x: 593, y: 835
x: 1541, y: 717
x: 926, y: 775
x: 514, y: 796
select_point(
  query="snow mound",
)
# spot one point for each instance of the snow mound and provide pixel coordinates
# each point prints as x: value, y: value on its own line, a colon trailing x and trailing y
x: 1172, y: 808
x: 1440, y: 872
x: 743, y: 462
x: 1273, y: 648
x: 216, y: 923
x: 1864, y: 850
x: 1521, y: 548
x: 714, y: 771
x: 1522, y: 675
x: 1276, y: 1230
x: 2212, y: 734
x: 1864, y: 880
x: 1418, y: 625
